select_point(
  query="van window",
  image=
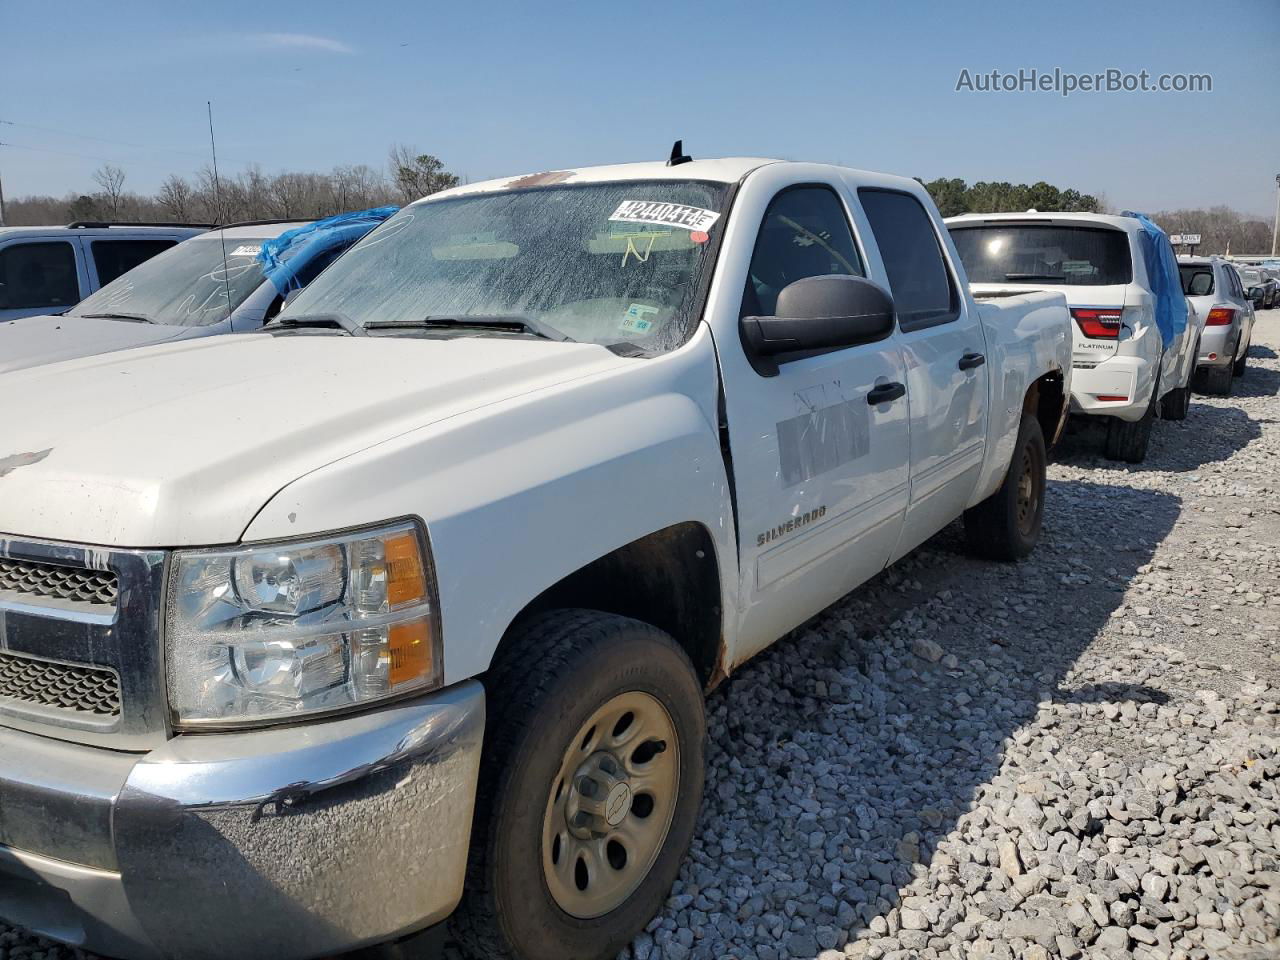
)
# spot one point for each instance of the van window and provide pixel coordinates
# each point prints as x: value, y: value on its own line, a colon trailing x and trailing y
x: 114, y: 257
x: 1043, y: 253
x: 918, y: 278
x: 38, y: 275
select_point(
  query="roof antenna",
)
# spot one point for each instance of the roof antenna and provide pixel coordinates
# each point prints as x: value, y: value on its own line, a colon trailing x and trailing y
x: 678, y: 156
x: 222, y: 220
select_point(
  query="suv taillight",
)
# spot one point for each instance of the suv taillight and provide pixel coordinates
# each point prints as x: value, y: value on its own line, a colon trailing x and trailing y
x: 1098, y: 324
x: 1220, y: 317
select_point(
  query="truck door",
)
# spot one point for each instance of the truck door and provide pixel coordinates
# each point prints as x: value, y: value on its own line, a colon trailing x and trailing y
x: 944, y: 350
x: 820, y: 468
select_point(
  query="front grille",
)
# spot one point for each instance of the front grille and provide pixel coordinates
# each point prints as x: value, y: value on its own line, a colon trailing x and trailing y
x: 52, y: 580
x: 64, y: 685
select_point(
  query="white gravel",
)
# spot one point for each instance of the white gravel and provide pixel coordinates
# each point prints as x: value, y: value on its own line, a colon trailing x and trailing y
x: 1075, y: 756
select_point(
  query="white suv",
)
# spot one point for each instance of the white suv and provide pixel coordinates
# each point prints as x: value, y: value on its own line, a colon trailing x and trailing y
x: 51, y: 269
x: 1124, y: 366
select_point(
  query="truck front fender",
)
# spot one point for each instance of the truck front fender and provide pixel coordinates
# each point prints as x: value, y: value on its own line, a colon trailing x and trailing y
x: 519, y: 495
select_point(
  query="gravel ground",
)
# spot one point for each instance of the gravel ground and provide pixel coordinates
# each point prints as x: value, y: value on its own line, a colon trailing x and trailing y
x: 1075, y: 756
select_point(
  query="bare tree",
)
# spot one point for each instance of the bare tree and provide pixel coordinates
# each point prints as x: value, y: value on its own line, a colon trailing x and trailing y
x: 250, y: 194
x: 111, y: 179
x: 177, y: 197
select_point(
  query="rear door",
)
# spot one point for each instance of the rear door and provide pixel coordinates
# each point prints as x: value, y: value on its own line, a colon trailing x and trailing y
x: 944, y: 351
x: 820, y: 471
x: 1088, y: 263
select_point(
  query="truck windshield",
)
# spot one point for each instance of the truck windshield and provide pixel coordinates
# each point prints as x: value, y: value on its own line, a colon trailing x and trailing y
x: 1048, y: 253
x: 608, y: 263
x: 185, y: 286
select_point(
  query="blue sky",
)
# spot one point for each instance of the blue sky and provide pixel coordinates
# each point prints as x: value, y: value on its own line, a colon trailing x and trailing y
x: 500, y: 88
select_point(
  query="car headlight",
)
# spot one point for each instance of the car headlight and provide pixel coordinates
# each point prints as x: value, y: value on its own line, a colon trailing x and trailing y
x: 273, y: 631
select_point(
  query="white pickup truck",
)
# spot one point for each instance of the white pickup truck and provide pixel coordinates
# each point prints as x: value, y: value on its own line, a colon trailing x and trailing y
x: 405, y: 606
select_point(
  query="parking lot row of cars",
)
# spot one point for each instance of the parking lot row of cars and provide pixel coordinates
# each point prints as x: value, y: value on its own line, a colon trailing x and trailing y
x: 399, y: 600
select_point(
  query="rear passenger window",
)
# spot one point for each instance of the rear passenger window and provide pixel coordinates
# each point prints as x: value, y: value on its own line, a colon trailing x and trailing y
x: 918, y: 278
x: 114, y: 257
x: 804, y: 234
x: 38, y: 275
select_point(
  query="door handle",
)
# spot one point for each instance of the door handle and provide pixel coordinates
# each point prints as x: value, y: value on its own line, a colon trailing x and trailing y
x: 971, y: 360
x: 885, y: 393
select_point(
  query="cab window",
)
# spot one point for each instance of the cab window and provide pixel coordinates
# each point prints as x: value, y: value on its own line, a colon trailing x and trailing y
x: 923, y: 293
x: 805, y: 233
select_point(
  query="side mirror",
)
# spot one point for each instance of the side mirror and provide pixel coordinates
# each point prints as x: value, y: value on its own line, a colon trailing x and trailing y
x: 821, y: 313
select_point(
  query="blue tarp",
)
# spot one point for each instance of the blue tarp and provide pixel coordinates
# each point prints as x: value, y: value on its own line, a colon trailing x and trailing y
x: 283, y: 257
x: 1162, y: 274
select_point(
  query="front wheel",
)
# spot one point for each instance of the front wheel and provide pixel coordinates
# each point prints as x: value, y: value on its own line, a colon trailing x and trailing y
x: 1006, y: 525
x: 589, y: 790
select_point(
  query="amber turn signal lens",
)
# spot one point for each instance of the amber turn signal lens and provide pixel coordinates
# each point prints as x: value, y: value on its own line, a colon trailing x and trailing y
x: 406, y: 580
x: 410, y: 646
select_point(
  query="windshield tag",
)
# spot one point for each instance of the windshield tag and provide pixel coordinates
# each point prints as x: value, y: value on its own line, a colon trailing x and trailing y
x: 666, y: 214
x: 638, y: 319
x: 246, y: 250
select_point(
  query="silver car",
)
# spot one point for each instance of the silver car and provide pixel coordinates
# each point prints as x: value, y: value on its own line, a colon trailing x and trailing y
x: 1213, y: 287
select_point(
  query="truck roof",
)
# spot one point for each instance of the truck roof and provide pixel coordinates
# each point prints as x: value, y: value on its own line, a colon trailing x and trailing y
x: 1127, y: 224
x: 721, y: 170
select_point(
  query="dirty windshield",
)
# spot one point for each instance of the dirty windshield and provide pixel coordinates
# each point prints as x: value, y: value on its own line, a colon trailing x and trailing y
x: 186, y: 286
x: 608, y: 263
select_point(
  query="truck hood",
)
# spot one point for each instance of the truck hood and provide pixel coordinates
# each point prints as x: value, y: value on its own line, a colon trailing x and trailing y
x: 181, y: 444
x: 31, y: 341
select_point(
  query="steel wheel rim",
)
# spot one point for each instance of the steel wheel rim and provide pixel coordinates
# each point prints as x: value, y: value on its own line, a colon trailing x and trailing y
x: 610, y: 806
x: 1028, y: 500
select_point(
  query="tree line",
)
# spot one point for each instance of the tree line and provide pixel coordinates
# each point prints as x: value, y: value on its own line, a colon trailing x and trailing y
x: 1222, y: 230
x: 410, y: 174
x: 955, y: 197
x: 247, y: 195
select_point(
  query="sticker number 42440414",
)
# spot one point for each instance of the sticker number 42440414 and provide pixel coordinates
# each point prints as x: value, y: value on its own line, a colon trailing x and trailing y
x: 665, y: 214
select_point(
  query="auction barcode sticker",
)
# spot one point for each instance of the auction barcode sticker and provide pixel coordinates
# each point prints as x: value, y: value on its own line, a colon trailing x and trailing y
x: 665, y: 214
x: 246, y: 250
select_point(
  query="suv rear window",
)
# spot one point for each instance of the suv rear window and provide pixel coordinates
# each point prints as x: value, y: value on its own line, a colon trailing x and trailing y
x: 1044, y: 253
x: 1197, y: 279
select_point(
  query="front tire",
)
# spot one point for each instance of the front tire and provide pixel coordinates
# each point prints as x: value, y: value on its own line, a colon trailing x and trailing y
x: 589, y: 790
x: 1006, y: 525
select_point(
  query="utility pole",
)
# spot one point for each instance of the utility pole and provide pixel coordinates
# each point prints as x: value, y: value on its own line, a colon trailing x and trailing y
x: 2, y: 223
x: 1275, y: 228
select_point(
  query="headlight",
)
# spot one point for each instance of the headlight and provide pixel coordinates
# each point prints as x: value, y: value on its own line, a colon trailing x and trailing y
x: 272, y: 631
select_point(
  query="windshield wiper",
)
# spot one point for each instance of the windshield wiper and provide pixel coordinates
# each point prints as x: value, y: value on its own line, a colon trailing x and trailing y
x: 512, y: 322
x: 337, y: 321
x: 1034, y: 276
x: 135, y: 317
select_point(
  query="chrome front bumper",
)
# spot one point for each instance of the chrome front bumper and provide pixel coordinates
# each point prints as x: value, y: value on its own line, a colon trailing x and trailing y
x: 283, y: 843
